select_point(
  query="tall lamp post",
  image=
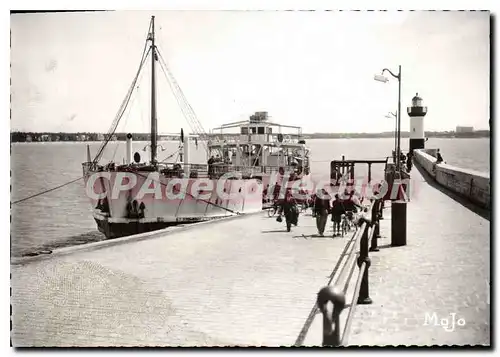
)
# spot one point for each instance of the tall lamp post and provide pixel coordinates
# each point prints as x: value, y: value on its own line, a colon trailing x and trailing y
x: 384, y: 79
x: 395, y: 116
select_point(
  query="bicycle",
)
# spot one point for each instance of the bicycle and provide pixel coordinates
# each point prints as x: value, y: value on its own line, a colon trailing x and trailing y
x: 344, y: 224
x: 347, y: 222
x: 303, y: 207
x: 271, y: 212
x: 350, y: 219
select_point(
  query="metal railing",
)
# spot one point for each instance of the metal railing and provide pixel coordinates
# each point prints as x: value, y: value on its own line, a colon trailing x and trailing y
x: 331, y: 299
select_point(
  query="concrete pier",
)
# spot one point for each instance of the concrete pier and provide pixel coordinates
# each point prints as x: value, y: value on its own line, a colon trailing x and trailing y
x: 243, y: 281
x: 246, y: 281
x: 472, y: 185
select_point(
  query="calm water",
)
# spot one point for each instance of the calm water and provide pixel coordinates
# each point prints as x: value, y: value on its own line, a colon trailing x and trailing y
x: 64, y: 216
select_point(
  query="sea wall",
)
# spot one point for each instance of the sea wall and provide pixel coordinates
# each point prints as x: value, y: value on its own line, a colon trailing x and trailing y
x: 473, y: 185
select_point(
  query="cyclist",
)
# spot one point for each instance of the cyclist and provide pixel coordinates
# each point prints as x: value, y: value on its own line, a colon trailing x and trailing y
x: 351, y: 206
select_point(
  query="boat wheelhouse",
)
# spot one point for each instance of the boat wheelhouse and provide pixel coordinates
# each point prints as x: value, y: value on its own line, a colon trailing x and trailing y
x: 259, y: 147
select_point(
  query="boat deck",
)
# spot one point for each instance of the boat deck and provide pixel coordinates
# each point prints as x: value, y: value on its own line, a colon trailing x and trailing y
x: 246, y: 281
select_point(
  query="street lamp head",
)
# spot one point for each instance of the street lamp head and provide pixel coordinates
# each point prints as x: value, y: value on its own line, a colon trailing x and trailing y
x: 381, y: 78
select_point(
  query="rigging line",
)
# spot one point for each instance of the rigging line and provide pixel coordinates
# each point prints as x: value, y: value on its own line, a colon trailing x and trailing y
x: 46, y: 191
x: 118, y: 144
x: 122, y: 109
x: 193, y: 120
x: 123, y: 106
x: 183, y: 98
x: 129, y: 107
x: 183, y: 109
x: 182, y: 106
x: 140, y: 107
x: 168, y: 157
x: 118, y: 116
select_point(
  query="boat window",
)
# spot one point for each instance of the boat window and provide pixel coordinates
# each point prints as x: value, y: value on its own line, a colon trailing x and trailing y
x: 269, y: 130
x: 254, y: 129
x: 244, y: 130
x: 260, y: 130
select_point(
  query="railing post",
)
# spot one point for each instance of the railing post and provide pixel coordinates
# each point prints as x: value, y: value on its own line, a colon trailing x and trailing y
x: 331, y: 323
x: 364, y: 292
x: 376, y: 225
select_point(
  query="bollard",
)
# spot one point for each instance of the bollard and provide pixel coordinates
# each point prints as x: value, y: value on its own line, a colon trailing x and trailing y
x: 398, y: 223
x: 364, y: 293
x: 331, y: 324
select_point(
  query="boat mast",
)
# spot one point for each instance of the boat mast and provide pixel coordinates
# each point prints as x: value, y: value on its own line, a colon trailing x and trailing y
x: 153, y: 93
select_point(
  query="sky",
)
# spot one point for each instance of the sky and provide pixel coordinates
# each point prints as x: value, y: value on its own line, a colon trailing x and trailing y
x: 71, y: 71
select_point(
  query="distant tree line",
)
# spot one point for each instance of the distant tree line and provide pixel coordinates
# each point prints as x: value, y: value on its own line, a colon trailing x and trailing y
x: 404, y: 134
x: 18, y: 136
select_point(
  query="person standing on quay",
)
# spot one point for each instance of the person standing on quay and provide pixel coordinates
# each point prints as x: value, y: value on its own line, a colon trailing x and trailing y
x: 321, y: 210
x: 338, y: 210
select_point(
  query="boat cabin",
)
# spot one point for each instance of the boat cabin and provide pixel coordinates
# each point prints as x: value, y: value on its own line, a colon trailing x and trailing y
x: 259, y: 145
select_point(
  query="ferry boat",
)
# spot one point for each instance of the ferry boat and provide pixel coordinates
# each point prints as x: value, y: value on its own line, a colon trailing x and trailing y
x: 244, y: 159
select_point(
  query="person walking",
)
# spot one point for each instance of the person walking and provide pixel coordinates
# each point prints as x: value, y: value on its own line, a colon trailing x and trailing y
x: 321, y: 210
x: 337, y: 211
x: 290, y: 210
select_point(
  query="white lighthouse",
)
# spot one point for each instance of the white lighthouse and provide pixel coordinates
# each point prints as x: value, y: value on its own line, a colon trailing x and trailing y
x: 417, y: 113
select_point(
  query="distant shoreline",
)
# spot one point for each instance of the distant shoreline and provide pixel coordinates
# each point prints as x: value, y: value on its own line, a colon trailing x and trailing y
x: 85, y: 136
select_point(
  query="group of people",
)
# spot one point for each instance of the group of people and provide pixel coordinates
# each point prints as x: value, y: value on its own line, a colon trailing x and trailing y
x: 322, y: 207
x: 405, y: 159
x: 214, y: 161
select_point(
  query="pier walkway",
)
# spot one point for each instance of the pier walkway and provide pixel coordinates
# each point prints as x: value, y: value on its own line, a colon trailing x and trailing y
x: 246, y: 281
x: 444, y: 269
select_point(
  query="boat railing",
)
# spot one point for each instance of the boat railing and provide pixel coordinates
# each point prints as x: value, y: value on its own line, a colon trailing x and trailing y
x: 218, y: 169
x: 89, y: 167
x: 214, y: 170
x: 271, y: 139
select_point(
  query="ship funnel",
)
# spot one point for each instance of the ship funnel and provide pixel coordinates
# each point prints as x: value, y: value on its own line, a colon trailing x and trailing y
x: 129, y: 149
x: 89, y: 158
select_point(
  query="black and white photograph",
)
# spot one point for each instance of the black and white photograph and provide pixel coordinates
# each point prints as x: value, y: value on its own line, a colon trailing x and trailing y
x: 250, y: 178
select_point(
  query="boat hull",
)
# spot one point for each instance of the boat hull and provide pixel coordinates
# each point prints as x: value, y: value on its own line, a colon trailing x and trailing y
x: 117, y: 230
x: 126, y: 203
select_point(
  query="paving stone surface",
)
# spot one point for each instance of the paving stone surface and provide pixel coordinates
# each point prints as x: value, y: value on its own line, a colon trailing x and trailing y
x: 241, y: 282
x: 443, y: 271
x: 248, y: 282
